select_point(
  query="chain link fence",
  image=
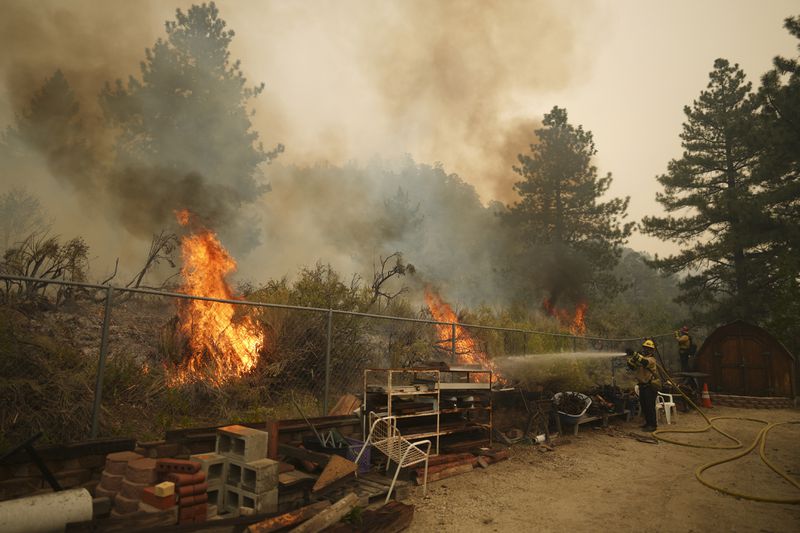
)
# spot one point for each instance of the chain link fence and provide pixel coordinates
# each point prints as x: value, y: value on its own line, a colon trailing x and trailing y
x: 84, y: 360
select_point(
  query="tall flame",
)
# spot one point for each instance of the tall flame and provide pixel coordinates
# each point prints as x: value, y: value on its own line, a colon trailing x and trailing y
x: 574, y: 321
x: 220, y: 347
x: 467, y: 350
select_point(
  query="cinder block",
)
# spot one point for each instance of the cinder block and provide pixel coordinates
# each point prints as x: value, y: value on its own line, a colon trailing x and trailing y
x: 235, y: 498
x: 241, y: 443
x: 255, y: 476
x: 214, y: 466
x: 215, y: 498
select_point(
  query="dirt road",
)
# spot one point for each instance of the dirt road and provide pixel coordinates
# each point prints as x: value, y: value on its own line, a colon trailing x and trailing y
x: 603, y: 480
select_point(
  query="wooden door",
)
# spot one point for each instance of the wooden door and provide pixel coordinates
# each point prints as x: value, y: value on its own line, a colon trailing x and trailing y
x: 741, y: 366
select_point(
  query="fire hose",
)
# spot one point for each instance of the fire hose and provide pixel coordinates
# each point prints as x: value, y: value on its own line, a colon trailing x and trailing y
x: 760, y: 441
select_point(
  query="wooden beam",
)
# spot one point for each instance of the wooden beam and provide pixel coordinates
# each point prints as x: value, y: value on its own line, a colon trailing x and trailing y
x: 329, y: 516
x: 304, y: 455
x: 289, y: 519
x: 336, y: 469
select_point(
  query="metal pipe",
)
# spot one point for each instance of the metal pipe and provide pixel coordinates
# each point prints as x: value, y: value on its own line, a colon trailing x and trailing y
x: 153, y: 292
x: 101, y: 365
x: 327, y: 364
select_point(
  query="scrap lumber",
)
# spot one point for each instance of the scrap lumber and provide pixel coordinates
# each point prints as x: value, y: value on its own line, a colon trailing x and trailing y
x: 391, y: 518
x: 304, y: 455
x: 336, y: 469
x: 329, y: 516
x: 450, y: 471
x: 289, y: 519
x: 346, y: 404
x: 448, y: 458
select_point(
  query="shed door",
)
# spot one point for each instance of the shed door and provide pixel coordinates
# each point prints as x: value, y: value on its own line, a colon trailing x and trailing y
x: 742, y: 366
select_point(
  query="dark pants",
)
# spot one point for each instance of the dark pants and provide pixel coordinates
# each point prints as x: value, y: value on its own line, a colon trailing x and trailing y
x: 684, y: 361
x: 647, y: 399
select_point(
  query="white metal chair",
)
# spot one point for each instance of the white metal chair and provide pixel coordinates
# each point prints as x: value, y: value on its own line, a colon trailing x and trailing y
x: 386, y: 438
x: 666, y: 403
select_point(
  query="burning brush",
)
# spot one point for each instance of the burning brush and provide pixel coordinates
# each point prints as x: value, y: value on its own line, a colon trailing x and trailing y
x: 221, y: 346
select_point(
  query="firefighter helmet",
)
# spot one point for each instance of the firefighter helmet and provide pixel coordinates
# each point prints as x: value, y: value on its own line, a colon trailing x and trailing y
x: 649, y: 344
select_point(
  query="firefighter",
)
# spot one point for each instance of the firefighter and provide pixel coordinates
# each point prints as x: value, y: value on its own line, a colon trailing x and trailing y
x: 643, y: 364
x: 686, y: 348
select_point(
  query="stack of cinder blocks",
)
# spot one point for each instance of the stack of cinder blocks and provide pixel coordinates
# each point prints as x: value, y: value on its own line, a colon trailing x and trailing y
x: 239, y: 474
x: 139, y: 473
x: 114, y: 473
x: 190, y: 486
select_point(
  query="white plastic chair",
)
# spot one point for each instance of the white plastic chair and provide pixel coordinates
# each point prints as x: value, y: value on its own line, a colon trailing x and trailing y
x: 386, y: 438
x: 666, y: 403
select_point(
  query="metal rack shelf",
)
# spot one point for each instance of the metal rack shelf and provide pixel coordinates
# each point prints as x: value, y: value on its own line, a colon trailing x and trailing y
x: 450, y: 381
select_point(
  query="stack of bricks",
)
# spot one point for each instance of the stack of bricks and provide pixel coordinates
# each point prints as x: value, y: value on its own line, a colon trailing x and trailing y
x: 190, y: 486
x: 160, y: 498
x: 114, y: 473
x: 251, y: 480
x: 139, y: 474
x: 215, y: 467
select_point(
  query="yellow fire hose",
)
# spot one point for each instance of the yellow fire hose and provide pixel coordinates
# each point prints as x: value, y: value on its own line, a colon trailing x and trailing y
x: 760, y: 441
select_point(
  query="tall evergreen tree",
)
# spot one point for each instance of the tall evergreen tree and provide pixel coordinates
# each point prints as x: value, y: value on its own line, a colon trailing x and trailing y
x: 185, y: 136
x: 560, y: 215
x: 779, y: 169
x: 710, y: 193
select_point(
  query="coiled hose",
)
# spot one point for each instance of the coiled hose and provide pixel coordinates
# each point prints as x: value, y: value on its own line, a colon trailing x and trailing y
x: 736, y: 444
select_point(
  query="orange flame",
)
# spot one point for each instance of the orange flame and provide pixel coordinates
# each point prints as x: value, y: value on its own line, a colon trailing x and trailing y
x: 467, y: 350
x: 219, y: 347
x: 575, y: 322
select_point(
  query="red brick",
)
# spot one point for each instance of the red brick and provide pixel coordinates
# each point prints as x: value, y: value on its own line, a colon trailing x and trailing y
x: 189, y: 490
x: 188, y: 501
x: 159, y: 502
x: 141, y: 471
x: 111, y: 481
x: 117, y: 462
x: 178, y: 466
x: 186, y: 479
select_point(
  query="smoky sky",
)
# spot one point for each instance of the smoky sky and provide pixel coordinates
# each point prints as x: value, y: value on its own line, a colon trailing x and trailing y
x: 439, y: 81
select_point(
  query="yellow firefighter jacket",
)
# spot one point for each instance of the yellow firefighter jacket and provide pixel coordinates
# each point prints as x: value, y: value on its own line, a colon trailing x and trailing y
x: 683, y: 341
x: 648, y: 374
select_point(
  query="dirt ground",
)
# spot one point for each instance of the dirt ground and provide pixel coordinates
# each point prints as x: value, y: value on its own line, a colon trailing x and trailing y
x: 604, y: 480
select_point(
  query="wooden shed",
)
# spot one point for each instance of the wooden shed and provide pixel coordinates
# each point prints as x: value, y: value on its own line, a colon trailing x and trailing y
x: 744, y: 359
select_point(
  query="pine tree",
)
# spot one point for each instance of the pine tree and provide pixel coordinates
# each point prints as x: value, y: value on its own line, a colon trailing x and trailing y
x: 710, y: 193
x: 185, y: 135
x: 560, y: 214
x: 779, y: 170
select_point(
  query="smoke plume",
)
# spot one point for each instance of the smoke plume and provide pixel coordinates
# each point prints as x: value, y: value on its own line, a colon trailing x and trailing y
x: 451, y: 83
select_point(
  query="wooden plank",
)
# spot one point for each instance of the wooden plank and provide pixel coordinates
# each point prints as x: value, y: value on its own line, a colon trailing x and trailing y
x: 346, y: 404
x: 289, y: 519
x: 329, y: 516
x: 336, y: 469
x: 443, y: 474
x: 304, y: 455
x: 294, y: 477
x: 391, y: 518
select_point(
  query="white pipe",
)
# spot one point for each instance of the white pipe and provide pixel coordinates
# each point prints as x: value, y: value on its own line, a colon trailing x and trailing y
x: 45, y: 513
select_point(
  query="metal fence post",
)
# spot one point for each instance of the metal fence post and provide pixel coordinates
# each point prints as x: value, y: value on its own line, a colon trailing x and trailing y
x: 327, y: 364
x: 101, y: 365
x: 453, y: 341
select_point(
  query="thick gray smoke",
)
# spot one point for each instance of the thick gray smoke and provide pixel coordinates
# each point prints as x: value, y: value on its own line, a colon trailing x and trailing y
x: 442, y: 81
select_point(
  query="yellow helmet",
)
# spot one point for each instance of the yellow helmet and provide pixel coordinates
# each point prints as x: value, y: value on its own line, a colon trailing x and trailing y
x: 649, y: 344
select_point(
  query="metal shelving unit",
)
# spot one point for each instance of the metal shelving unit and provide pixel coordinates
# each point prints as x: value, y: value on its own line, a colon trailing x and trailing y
x: 385, y: 387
